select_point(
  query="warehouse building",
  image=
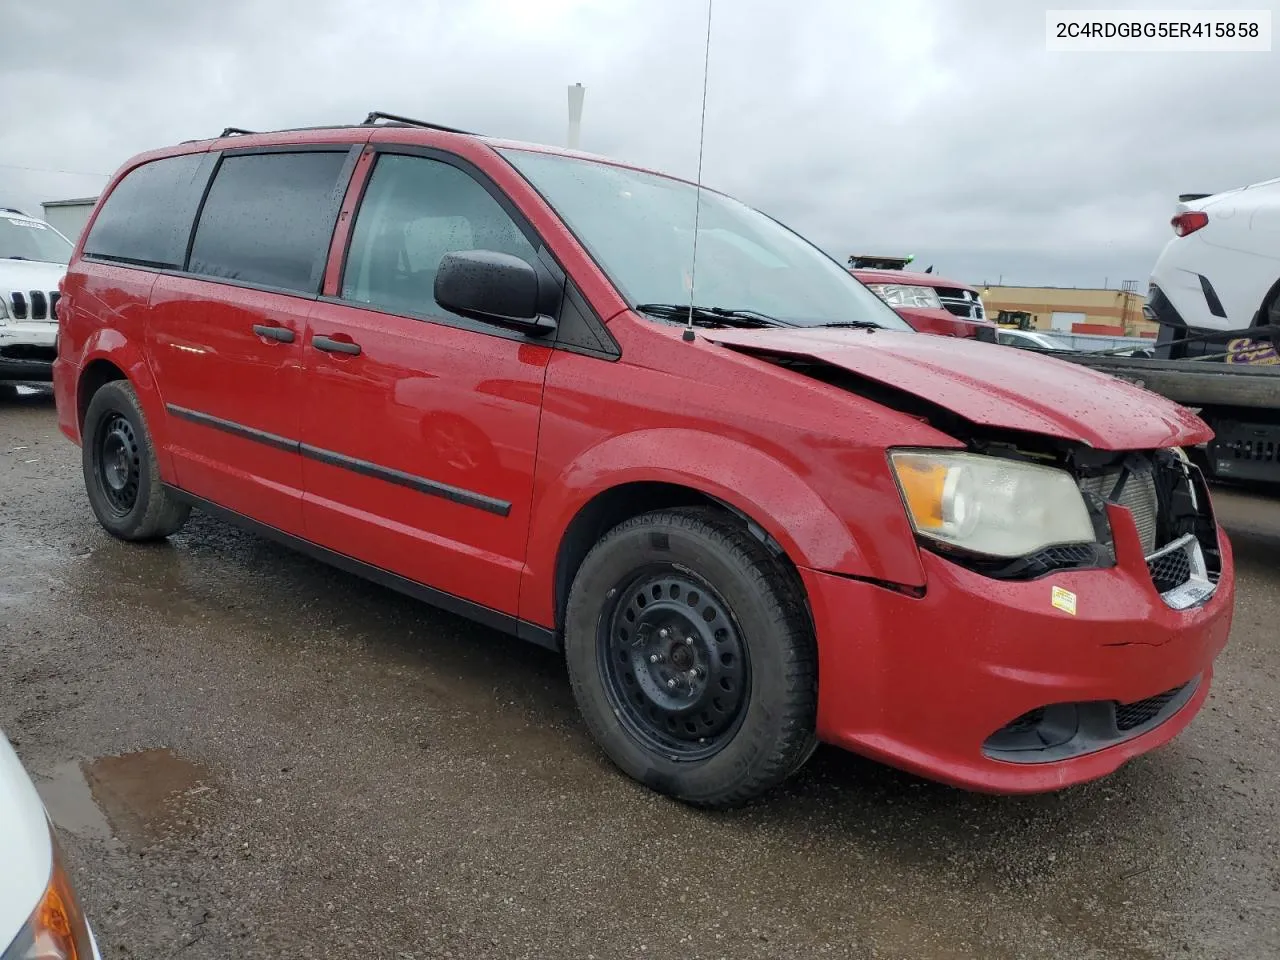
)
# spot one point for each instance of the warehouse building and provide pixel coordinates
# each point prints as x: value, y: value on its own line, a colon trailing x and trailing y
x: 68, y: 217
x: 1074, y: 309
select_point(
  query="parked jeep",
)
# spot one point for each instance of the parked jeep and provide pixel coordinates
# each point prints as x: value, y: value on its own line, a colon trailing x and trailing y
x: 33, y: 259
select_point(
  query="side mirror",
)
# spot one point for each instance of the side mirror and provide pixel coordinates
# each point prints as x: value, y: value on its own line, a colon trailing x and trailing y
x: 493, y: 287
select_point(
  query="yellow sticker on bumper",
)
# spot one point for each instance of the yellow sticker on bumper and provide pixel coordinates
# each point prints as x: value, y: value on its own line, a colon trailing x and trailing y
x: 1064, y: 600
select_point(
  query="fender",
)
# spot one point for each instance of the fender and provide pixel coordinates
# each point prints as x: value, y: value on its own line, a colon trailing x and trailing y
x: 779, y: 500
x: 112, y: 345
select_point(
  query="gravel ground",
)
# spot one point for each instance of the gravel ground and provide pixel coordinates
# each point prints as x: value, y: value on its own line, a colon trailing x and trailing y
x: 252, y: 755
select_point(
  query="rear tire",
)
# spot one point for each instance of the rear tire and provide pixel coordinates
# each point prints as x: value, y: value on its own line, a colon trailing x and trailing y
x: 121, y: 474
x: 692, y: 657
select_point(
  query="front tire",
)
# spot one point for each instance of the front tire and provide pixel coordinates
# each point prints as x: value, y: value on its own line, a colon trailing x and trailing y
x: 692, y: 657
x: 121, y: 474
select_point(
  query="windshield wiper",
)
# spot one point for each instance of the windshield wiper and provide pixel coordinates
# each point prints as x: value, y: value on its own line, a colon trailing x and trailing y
x: 14, y: 256
x: 851, y: 325
x: 711, y: 316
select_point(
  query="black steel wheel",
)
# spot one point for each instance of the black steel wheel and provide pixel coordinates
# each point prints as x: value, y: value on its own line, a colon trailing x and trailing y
x: 692, y: 657
x: 121, y: 473
x: 119, y: 464
x: 676, y: 667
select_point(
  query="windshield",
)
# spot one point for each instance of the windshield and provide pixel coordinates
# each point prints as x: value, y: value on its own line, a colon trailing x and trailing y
x: 32, y: 240
x: 639, y: 228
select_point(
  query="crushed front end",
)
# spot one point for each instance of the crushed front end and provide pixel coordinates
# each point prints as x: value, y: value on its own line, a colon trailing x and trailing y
x: 1032, y: 673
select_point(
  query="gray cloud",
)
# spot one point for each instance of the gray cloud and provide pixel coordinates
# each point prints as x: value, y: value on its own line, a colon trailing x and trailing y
x: 930, y: 127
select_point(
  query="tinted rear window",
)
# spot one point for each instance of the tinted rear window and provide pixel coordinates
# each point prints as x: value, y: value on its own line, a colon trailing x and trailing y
x: 268, y: 219
x: 147, y: 218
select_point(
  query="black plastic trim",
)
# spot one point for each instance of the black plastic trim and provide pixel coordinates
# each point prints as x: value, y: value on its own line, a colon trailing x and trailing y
x: 1067, y: 730
x: 152, y: 265
x: 1211, y: 297
x: 496, y: 619
x: 1161, y: 310
x: 34, y: 371
x: 434, y: 488
x: 581, y: 331
x: 214, y: 160
x: 230, y: 426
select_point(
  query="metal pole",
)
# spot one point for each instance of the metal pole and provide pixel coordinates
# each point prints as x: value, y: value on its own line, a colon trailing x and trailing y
x: 576, y: 93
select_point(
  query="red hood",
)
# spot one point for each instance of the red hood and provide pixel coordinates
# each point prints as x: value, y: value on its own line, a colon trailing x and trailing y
x: 993, y: 386
x: 913, y: 279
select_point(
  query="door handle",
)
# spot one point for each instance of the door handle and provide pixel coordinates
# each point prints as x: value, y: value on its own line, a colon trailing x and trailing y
x: 329, y: 345
x: 282, y: 334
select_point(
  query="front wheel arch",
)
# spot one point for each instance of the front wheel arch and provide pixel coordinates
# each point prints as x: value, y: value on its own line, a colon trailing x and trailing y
x: 616, y: 505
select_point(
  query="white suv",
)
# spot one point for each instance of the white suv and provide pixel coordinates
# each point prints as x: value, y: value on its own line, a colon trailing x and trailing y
x: 1221, y: 271
x: 33, y: 258
x: 40, y: 915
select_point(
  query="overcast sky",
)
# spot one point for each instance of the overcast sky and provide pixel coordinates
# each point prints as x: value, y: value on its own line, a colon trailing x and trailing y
x: 940, y: 128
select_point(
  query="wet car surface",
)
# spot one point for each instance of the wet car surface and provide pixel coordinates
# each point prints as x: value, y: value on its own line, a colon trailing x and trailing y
x: 254, y: 755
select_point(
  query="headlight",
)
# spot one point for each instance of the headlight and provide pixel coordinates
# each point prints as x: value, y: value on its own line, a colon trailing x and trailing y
x: 989, y: 505
x: 4, y: 311
x: 57, y: 929
x: 901, y: 295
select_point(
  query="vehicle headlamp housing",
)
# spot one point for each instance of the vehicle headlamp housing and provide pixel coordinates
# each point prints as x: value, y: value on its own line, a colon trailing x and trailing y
x: 57, y: 929
x: 991, y: 506
x: 906, y: 295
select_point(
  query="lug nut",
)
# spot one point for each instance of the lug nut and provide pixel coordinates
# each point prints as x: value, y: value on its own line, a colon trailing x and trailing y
x: 664, y: 633
x: 656, y: 658
x: 671, y: 684
x: 695, y: 674
x: 688, y: 641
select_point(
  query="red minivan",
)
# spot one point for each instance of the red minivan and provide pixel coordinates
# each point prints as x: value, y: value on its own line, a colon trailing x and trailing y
x: 468, y: 369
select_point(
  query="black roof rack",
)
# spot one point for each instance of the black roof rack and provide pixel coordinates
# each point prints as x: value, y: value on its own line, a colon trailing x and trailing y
x: 235, y: 131
x: 377, y: 115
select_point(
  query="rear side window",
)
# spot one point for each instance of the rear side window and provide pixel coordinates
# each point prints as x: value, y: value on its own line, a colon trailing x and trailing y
x: 147, y: 218
x: 415, y: 210
x: 269, y: 218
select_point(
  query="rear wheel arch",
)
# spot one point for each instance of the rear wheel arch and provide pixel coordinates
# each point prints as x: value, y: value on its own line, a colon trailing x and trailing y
x: 1269, y: 309
x: 93, y: 378
x: 110, y: 357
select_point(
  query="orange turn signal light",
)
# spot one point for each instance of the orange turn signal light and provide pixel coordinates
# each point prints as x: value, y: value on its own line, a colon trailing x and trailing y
x: 923, y: 481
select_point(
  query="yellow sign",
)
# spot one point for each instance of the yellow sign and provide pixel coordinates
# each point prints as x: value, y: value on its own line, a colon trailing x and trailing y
x: 1064, y: 600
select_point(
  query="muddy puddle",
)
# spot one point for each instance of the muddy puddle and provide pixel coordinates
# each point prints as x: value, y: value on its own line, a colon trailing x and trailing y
x: 135, y: 798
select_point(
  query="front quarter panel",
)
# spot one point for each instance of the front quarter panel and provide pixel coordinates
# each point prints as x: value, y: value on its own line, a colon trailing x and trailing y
x: 802, y: 459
